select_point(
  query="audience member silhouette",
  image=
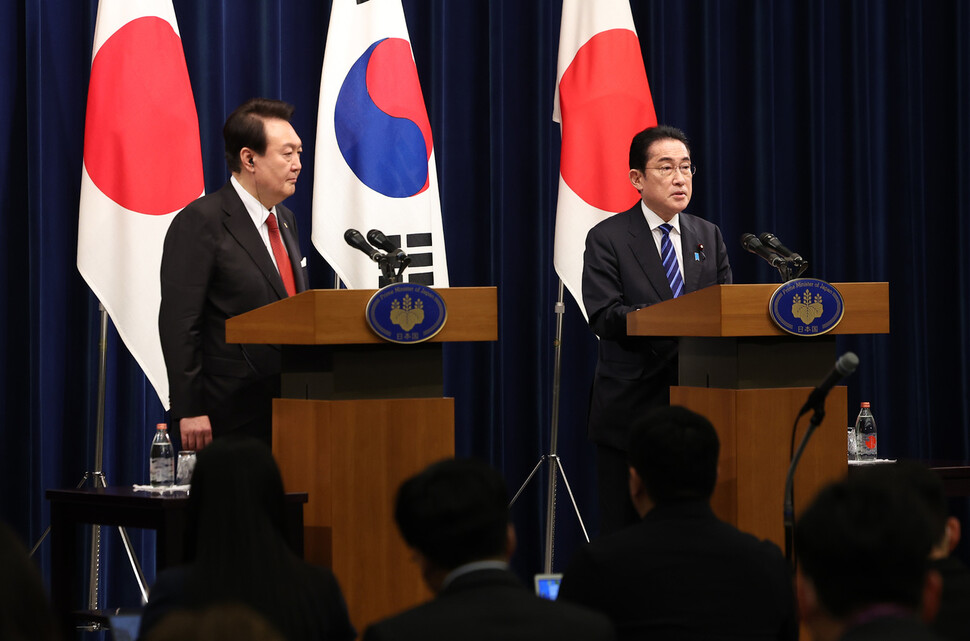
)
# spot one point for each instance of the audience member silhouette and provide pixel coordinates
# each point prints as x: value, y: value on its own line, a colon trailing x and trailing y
x: 952, y: 622
x: 454, y: 515
x: 681, y: 573
x: 230, y: 622
x: 25, y: 611
x: 237, y: 552
x: 863, y: 548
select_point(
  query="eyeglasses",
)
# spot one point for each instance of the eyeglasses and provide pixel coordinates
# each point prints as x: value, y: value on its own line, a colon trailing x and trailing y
x: 685, y: 170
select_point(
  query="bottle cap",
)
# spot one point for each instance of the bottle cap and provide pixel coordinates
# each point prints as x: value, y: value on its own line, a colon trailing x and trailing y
x: 161, y: 426
x: 865, y: 403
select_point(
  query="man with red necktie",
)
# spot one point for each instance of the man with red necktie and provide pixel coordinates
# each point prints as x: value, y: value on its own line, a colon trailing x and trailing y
x: 225, y: 254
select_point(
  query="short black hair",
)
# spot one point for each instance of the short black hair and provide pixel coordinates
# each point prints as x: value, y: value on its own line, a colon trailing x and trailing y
x: 864, y: 541
x: 640, y: 145
x: 454, y: 512
x: 244, y: 127
x: 928, y: 486
x: 675, y: 451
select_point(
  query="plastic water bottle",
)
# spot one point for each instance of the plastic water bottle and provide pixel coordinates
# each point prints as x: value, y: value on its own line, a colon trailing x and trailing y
x: 851, y: 443
x: 865, y: 429
x: 161, y: 463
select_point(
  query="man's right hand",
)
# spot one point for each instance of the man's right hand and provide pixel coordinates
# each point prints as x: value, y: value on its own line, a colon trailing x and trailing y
x: 196, y: 432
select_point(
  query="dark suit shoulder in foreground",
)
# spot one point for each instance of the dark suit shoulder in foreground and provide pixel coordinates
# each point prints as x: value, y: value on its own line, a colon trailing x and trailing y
x: 681, y: 573
x: 487, y: 605
x: 319, y: 615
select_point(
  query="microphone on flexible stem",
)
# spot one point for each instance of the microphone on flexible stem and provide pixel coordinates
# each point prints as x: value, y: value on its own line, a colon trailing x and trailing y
x: 846, y: 364
x: 751, y: 243
x: 843, y: 367
x: 356, y: 240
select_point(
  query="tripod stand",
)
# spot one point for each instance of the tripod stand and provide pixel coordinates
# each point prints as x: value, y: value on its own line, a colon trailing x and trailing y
x: 555, y: 464
x: 100, y: 481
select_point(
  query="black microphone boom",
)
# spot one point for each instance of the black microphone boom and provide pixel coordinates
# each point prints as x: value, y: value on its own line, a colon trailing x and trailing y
x: 751, y: 243
x: 377, y: 238
x: 356, y: 240
x: 773, y: 242
x: 846, y: 364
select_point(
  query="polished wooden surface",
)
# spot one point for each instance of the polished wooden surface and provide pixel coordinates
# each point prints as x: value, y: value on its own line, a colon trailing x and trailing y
x: 337, y: 317
x: 754, y: 426
x: 351, y: 456
x: 742, y: 310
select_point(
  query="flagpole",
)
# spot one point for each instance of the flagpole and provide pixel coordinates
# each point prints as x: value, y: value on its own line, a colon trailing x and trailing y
x: 555, y: 463
x: 100, y: 481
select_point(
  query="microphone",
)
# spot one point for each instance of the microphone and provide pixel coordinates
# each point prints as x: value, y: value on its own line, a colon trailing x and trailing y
x: 774, y: 243
x: 356, y: 240
x: 377, y: 238
x: 753, y: 245
x: 843, y: 367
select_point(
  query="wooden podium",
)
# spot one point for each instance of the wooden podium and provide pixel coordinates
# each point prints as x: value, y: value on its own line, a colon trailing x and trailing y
x: 357, y: 417
x: 750, y: 379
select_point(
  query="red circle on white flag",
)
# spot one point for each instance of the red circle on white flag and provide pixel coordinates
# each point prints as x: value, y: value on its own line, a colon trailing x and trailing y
x: 604, y: 100
x: 141, y: 140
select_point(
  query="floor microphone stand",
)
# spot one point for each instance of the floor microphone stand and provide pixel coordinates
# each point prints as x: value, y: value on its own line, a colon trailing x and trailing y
x: 555, y: 464
x: 789, y: 510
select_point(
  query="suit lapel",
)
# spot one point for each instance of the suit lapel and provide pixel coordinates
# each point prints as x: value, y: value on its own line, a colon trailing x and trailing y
x: 689, y: 245
x: 292, y: 243
x: 241, y: 227
x: 645, y: 250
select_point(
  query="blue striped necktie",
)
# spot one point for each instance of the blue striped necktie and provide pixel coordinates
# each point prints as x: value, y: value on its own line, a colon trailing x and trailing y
x: 669, y: 258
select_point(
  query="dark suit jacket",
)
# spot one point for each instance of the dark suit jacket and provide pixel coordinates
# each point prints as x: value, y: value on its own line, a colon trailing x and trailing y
x: 622, y: 272
x: 681, y: 573
x: 216, y: 266
x: 486, y: 605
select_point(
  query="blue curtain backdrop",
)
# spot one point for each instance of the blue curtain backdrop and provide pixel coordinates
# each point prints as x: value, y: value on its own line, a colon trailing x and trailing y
x: 842, y: 127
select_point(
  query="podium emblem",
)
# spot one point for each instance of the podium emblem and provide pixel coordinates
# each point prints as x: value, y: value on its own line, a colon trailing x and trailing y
x: 806, y: 307
x: 406, y: 313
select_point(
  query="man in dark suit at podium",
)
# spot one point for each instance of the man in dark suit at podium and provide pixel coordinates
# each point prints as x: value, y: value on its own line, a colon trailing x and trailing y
x: 651, y: 253
x: 454, y: 515
x: 225, y: 254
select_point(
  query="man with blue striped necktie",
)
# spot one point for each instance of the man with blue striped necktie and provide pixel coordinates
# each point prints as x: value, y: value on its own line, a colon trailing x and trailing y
x: 648, y: 254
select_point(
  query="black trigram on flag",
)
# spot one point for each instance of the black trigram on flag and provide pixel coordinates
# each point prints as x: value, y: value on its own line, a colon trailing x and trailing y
x: 418, y: 247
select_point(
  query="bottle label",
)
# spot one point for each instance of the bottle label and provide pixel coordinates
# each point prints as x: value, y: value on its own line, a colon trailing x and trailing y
x: 162, y: 471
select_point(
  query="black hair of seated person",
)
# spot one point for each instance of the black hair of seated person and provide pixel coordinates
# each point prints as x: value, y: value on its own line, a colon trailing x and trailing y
x: 927, y: 484
x: 454, y: 512
x: 222, y: 622
x: 863, y: 541
x: 25, y: 612
x: 674, y: 452
x: 234, y: 535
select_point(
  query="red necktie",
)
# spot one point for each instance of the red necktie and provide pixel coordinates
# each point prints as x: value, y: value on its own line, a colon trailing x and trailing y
x: 279, y: 253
